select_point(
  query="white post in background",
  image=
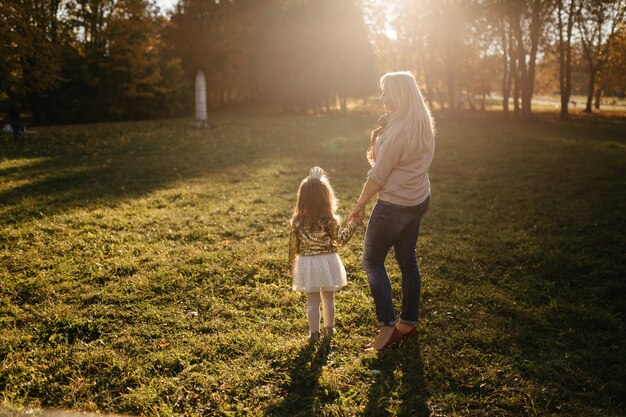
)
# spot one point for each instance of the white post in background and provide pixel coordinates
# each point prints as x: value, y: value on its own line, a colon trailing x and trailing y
x: 200, y: 100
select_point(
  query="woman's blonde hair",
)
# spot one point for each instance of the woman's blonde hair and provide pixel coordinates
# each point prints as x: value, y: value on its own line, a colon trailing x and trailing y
x: 409, y: 114
x: 316, y: 200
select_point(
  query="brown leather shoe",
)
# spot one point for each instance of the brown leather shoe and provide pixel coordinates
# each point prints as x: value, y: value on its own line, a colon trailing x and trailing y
x: 395, y: 337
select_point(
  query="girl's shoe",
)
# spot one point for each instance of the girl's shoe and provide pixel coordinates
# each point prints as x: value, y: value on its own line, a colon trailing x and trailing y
x: 329, y: 332
x: 313, y: 337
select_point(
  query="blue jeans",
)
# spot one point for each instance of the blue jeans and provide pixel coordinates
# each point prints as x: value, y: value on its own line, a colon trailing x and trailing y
x: 398, y: 226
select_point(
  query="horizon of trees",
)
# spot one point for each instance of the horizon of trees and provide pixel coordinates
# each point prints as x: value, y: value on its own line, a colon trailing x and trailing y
x: 90, y: 60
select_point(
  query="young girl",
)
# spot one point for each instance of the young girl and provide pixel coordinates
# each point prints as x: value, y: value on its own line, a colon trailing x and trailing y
x: 315, y: 238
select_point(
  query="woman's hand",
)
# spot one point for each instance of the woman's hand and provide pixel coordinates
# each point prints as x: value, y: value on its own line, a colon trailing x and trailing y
x: 358, y: 212
x: 357, y: 215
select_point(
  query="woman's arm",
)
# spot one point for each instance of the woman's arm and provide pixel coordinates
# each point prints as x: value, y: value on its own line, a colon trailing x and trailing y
x: 370, y: 189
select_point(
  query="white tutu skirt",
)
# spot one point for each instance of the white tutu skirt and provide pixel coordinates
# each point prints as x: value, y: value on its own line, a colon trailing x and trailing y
x: 314, y: 273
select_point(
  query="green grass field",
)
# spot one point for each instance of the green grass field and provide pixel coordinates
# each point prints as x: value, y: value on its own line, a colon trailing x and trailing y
x: 143, y: 270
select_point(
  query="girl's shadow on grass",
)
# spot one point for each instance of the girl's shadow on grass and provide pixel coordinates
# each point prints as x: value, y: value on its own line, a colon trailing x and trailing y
x: 303, y: 383
x: 399, y: 387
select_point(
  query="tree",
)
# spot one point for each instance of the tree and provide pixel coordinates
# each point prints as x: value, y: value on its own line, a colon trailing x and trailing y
x: 446, y: 43
x: 434, y: 42
x: 217, y: 38
x: 451, y: 35
x: 499, y: 15
x: 508, y: 65
x: 528, y: 20
x: 85, y: 60
x: 310, y: 53
x: 402, y: 35
x: 115, y: 68
x: 132, y: 80
x: 566, y: 12
x: 32, y: 46
x: 597, y: 21
x: 514, y: 68
x: 614, y: 71
x: 352, y: 58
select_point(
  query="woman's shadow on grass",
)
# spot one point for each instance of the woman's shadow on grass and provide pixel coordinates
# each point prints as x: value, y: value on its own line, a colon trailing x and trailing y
x: 303, y: 383
x: 399, y: 387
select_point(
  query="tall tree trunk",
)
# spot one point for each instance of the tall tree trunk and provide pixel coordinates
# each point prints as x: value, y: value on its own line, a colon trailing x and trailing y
x: 568, y: 53
x: 451, y: 54
x: 598, y: 97
x: 514, y: 71
x: 450, y: 73
x: 535, y: 33
x: 343, y: 104
x: 516, y: 91
x: 565, y: 57
x: 592, y: 56
x: 523, y: 69
x: 596, y: 37
x: 54, y: 10
x: 506, y: 72
x: 564, y: 100
x: 591, y: 88
x: 527, y: 74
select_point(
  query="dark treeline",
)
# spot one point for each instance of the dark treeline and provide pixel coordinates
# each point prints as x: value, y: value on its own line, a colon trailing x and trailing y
x: 86, y: 60
x: 92, y: 60
x: 69, y: 61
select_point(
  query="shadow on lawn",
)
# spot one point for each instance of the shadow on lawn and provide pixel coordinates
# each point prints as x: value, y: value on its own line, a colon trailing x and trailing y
x: 64, y: 168
x: 399, y: 387
x: 304, y: 381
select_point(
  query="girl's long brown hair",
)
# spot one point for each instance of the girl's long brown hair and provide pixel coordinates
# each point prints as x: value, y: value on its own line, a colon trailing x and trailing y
x: 316, y: 202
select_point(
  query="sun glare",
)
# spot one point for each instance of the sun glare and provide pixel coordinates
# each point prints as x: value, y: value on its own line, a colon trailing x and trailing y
x: 166, y: 5
x: 381, y: 14
x: 391, y: 33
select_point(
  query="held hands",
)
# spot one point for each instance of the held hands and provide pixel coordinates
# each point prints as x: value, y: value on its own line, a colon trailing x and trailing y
x: 357, y: 215
x: 369, y: 190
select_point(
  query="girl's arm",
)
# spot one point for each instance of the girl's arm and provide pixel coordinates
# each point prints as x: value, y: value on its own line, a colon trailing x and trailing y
x: 345, y: 234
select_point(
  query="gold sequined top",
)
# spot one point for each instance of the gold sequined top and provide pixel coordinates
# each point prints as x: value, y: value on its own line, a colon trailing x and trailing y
x: 324, y: 237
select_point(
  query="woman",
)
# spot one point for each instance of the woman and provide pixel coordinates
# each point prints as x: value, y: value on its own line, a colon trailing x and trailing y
x: 400, y: 153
